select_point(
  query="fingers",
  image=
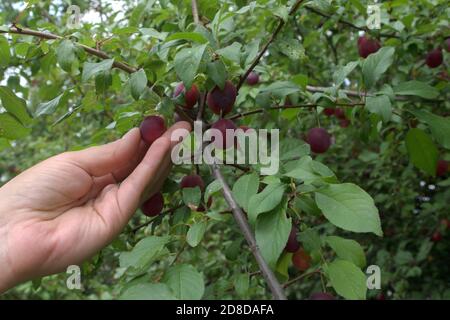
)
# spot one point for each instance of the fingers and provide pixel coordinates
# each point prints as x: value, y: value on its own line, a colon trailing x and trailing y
x: 101, y: 160
x: 150, y: 172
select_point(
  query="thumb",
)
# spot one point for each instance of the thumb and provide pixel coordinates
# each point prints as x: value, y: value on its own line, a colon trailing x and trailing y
x: 101, y: 160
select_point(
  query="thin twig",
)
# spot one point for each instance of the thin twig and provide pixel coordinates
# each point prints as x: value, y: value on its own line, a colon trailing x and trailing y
x: 50, y: 36
x: 178, y: 254
x: 269, y: 276
x: 260, y: 110
x: 195, y: 11
x: 266, y: 46
x: 305, y: 275
x: 150, y: 221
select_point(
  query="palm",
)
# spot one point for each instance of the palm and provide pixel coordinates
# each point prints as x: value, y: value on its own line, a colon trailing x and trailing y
x: 73, y: 204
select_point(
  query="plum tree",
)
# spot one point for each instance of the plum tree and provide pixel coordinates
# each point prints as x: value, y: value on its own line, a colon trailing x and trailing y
x: 319, y: 140
x: 442, y: 168
x: 253, y: 78
x: 221, y: 101
x: 434, y: 58
x: 191, y: 96
x: 154, y: 205
x: 192, y: 181
x: 222, y: 125
x: 321, y: 296
x: 152, y: 128
x: 301, y: 259
x: 367, y: 46
x: 292, y: 244
x: 206, y: 43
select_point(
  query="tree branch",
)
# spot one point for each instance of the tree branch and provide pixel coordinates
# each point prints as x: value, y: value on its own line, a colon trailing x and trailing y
x: 50, y: 36
x: 305, y: 275
x: 130, y: 69
x: 274, y: 285
x: 266, y: 46
x: 347, y: 23
x: 260, y: 110
x: 195, y: 11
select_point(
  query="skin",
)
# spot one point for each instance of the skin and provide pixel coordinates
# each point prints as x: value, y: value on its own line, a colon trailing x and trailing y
x: 65, y: 209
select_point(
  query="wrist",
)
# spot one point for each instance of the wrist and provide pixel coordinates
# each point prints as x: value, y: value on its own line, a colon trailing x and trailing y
x: 7, y: 279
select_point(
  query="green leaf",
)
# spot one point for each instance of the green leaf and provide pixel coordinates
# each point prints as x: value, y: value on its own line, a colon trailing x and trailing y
x: 5, y: 53
x: 310, y: 240
x: 265, y: 201
x: 376, y: 65
x: 342, y: 73
x: 138, y: 83
x: 347, y: 249
x: 14, y: 105
x: 143, y: 253
x: 380, y: 105
x: 232, y: 52
x: 292, y: 48
x: 272, y: 232
x: 347, y: 279
x: 65, y: 54
x: 49, y: 107
x: 280, y: 89
x: 283, y: 264
x: 91, y: 69
x: 185, y: 282
x: 245, y: 188
x: 349, y: 207
x: 4, y: 143
x: 217, y: 72
x: 309, y: 171
x: 282, y: 12
x: 192, y: 197
x: 251, y: 51
x: 416, y: 88
x: 241, y: 284
x: 196, y: 233
x: 212, y: 188
x: 422, y: 151
x: 190, y: 36
x: 10, y: 128
x: 439, y: 126
x: 103, y: 80
x: 148, y: 291
x: 187, y: 61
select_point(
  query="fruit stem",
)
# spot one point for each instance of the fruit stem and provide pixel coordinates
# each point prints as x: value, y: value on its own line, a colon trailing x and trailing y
x: 266, y: 46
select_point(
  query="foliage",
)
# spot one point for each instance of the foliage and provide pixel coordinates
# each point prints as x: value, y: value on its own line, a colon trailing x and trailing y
x: 378, y: 176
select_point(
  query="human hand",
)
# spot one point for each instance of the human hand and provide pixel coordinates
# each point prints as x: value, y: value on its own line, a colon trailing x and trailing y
x: 65, y: 209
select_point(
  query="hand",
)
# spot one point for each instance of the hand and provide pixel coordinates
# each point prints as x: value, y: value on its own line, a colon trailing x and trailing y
x: 66, y: 208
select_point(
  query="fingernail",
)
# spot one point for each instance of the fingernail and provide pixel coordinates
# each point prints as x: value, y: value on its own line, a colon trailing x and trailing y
x: 129, y: 133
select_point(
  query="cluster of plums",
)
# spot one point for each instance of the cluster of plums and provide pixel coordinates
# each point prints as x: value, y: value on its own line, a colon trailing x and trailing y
x: 433, y: 59
x: 220, y: 102
x: 339, y: 114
